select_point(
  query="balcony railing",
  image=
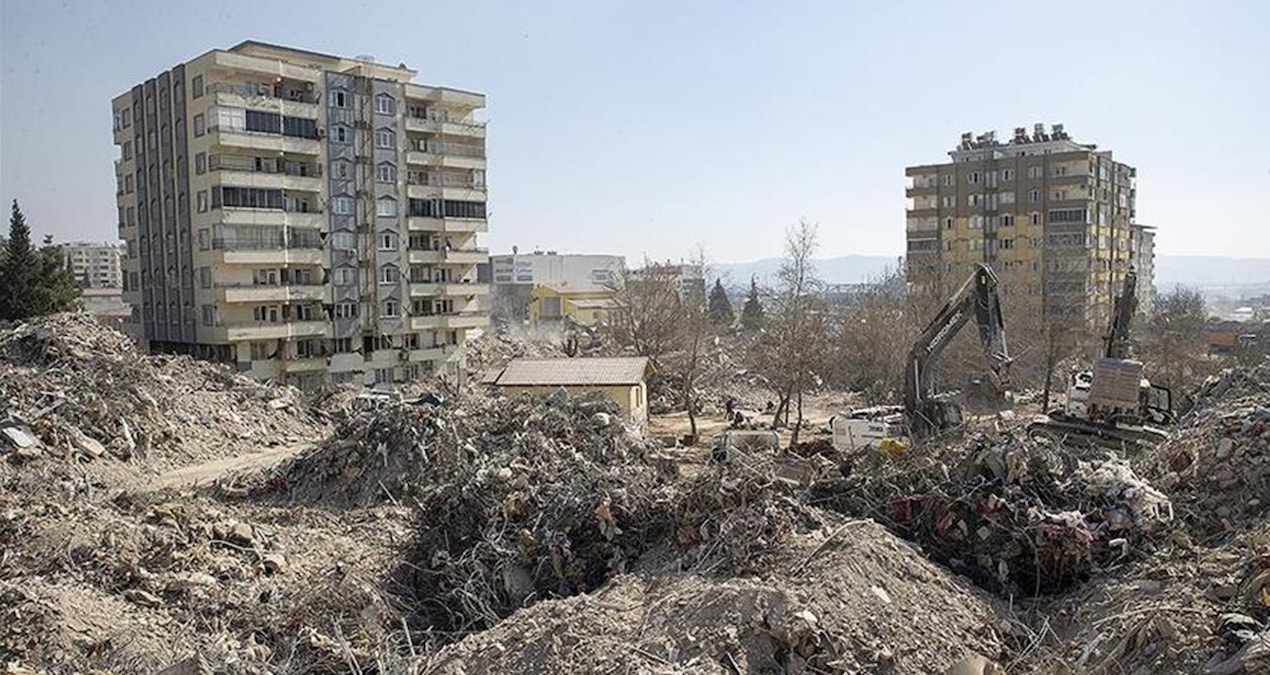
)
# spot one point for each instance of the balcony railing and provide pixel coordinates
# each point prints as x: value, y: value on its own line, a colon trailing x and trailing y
x: 257, y: 89
x: 441, y: 117
x: 445, y: 180
x: 264, y: 165
x: 453, y: 149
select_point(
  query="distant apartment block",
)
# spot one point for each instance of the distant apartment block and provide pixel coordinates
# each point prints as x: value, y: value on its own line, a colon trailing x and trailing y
x: 515, y: 276
x: 94, y: 265
x: 309, y: 218
x: 1054, y: 218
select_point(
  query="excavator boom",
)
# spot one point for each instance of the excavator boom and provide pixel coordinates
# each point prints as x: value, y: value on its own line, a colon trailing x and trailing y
x: 977, y: 297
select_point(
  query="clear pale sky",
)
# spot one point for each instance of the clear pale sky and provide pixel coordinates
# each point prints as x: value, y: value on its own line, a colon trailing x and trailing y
x: 651, y: 127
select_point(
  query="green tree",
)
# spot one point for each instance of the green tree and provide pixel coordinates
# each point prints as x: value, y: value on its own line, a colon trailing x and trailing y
x: 33, y: 282
x: 720, y: 308
x: 752, y: 311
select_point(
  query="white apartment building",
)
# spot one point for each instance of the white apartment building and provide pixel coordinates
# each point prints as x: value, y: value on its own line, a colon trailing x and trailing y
x: 95, y: 265
x: 309, y: 218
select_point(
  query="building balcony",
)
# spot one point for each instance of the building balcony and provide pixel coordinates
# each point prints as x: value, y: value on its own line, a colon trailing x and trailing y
x: 277, y: 181
x: 236, y: 215
x: 455, y: 98
x: 270, y: 68
x: 449, y: 289
x: 261, y: 293
x: 265, y: 141
x: 452, y: 225
x: 474, y: 256
x: 264, y: 330
x: 451, y: 161
x: 920, y: 190
x: 273, y: 256
x: 924, y: 211
x: 236, y: 95
x: 455, y: 321
x: 448, y: 127
x: 433, y: 353
x: 466, y: 194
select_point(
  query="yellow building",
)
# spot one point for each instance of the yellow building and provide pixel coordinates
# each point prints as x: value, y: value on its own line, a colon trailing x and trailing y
x: 305, y: 217
x: 584, y: 305
x: 622, y: 379
x: 1055, y: 219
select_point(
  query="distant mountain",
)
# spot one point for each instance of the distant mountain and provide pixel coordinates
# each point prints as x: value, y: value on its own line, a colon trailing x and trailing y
x: 1210, y: 271
x: 1170, y: 270
x: 847, y: 269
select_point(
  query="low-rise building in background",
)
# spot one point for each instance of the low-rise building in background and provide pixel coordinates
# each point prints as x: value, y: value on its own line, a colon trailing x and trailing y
x: 554, y: 305
x: 514, y: 276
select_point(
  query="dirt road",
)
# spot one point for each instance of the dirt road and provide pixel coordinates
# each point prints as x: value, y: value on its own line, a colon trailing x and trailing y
x: 208, y: 472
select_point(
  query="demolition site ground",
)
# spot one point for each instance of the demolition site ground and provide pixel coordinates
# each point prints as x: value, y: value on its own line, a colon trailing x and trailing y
x: 160, y: 514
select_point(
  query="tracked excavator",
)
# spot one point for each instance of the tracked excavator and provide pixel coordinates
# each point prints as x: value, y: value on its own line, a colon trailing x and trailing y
x: 927, y: 413
x: 1112, y: 404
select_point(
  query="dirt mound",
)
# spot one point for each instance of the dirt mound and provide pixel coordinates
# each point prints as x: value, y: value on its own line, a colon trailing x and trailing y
x: 138, y: 582
x: 75, y: 389
x: 850, y: 599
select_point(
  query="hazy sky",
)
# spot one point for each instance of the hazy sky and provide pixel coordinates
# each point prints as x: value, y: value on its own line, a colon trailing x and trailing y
x: 649, y: 127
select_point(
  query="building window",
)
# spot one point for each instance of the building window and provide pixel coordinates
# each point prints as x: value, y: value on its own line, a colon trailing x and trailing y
x: 947, y: 201
x: 386, y: 173
x: 948, y: 180
x: 1006, y: 174
x: 339, y: 99
x: 1007, y: 220
x: 341, y: 205
x: 342, y: 276
x: 1036, y: 219
x: 1006, y: 244
x: 948, y: 223
x: 1060, y: 195
x: 340, y: 134
x: 410, y: 341
x: 387, y: 241
x: 201, y: 201
x: 385, y: 105
x: 1059, y: 170
x: 343, y: 241
x: 205, y: 277
x: 200, y: 163
x: 200, y: 125
x: 386, y: 207
x: 1034, y: 196
x: 127, y: 149
x: 383, y: 375
x: 390, y: 309
x: 261, y: 351
x: 975, y: 199
x: 345, y: 310
x: 1007, y: 197
x: 976, y: 222
x: 342, y: 346
x: 975, y: 177
x: 385, y: 138
x: 196, y: 86
x: 388, y: 275
x: 1035, y: 171
x: 341, y: 170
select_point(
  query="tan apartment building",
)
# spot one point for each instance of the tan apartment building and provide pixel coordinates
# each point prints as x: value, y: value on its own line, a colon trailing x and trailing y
x: 309, y: 218
x: 1053, y: 217
x: 94, y: 265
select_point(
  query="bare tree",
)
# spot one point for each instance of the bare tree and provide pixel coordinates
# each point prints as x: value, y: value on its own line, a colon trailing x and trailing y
x: 791, y: 349
x: 694, y: 325
x: 646, y: 319
x: 1173, y: 346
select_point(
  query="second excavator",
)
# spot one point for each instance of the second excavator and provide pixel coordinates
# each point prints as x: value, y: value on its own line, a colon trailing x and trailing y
x: 1112, y: 404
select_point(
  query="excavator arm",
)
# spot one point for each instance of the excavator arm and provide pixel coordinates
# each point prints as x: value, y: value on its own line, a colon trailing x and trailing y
x: 978, y: 297
x: 1126, y: 304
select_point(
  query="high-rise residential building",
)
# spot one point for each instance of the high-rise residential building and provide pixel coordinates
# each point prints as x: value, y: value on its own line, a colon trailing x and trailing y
x: 95, y: 265
x: 310, y: 218
x: 1053, y: 217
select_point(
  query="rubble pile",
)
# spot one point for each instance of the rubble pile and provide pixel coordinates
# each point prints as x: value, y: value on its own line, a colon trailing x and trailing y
x: 1218, y: 466
x: 494, y: 350
x: 1019, y: 517
x: 1188, y: 609
x: 75, y: 389
x: 519, y: 498
x: 847, y: 598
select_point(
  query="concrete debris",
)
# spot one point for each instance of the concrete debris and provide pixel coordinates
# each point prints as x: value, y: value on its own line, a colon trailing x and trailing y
x: 448, y: 530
